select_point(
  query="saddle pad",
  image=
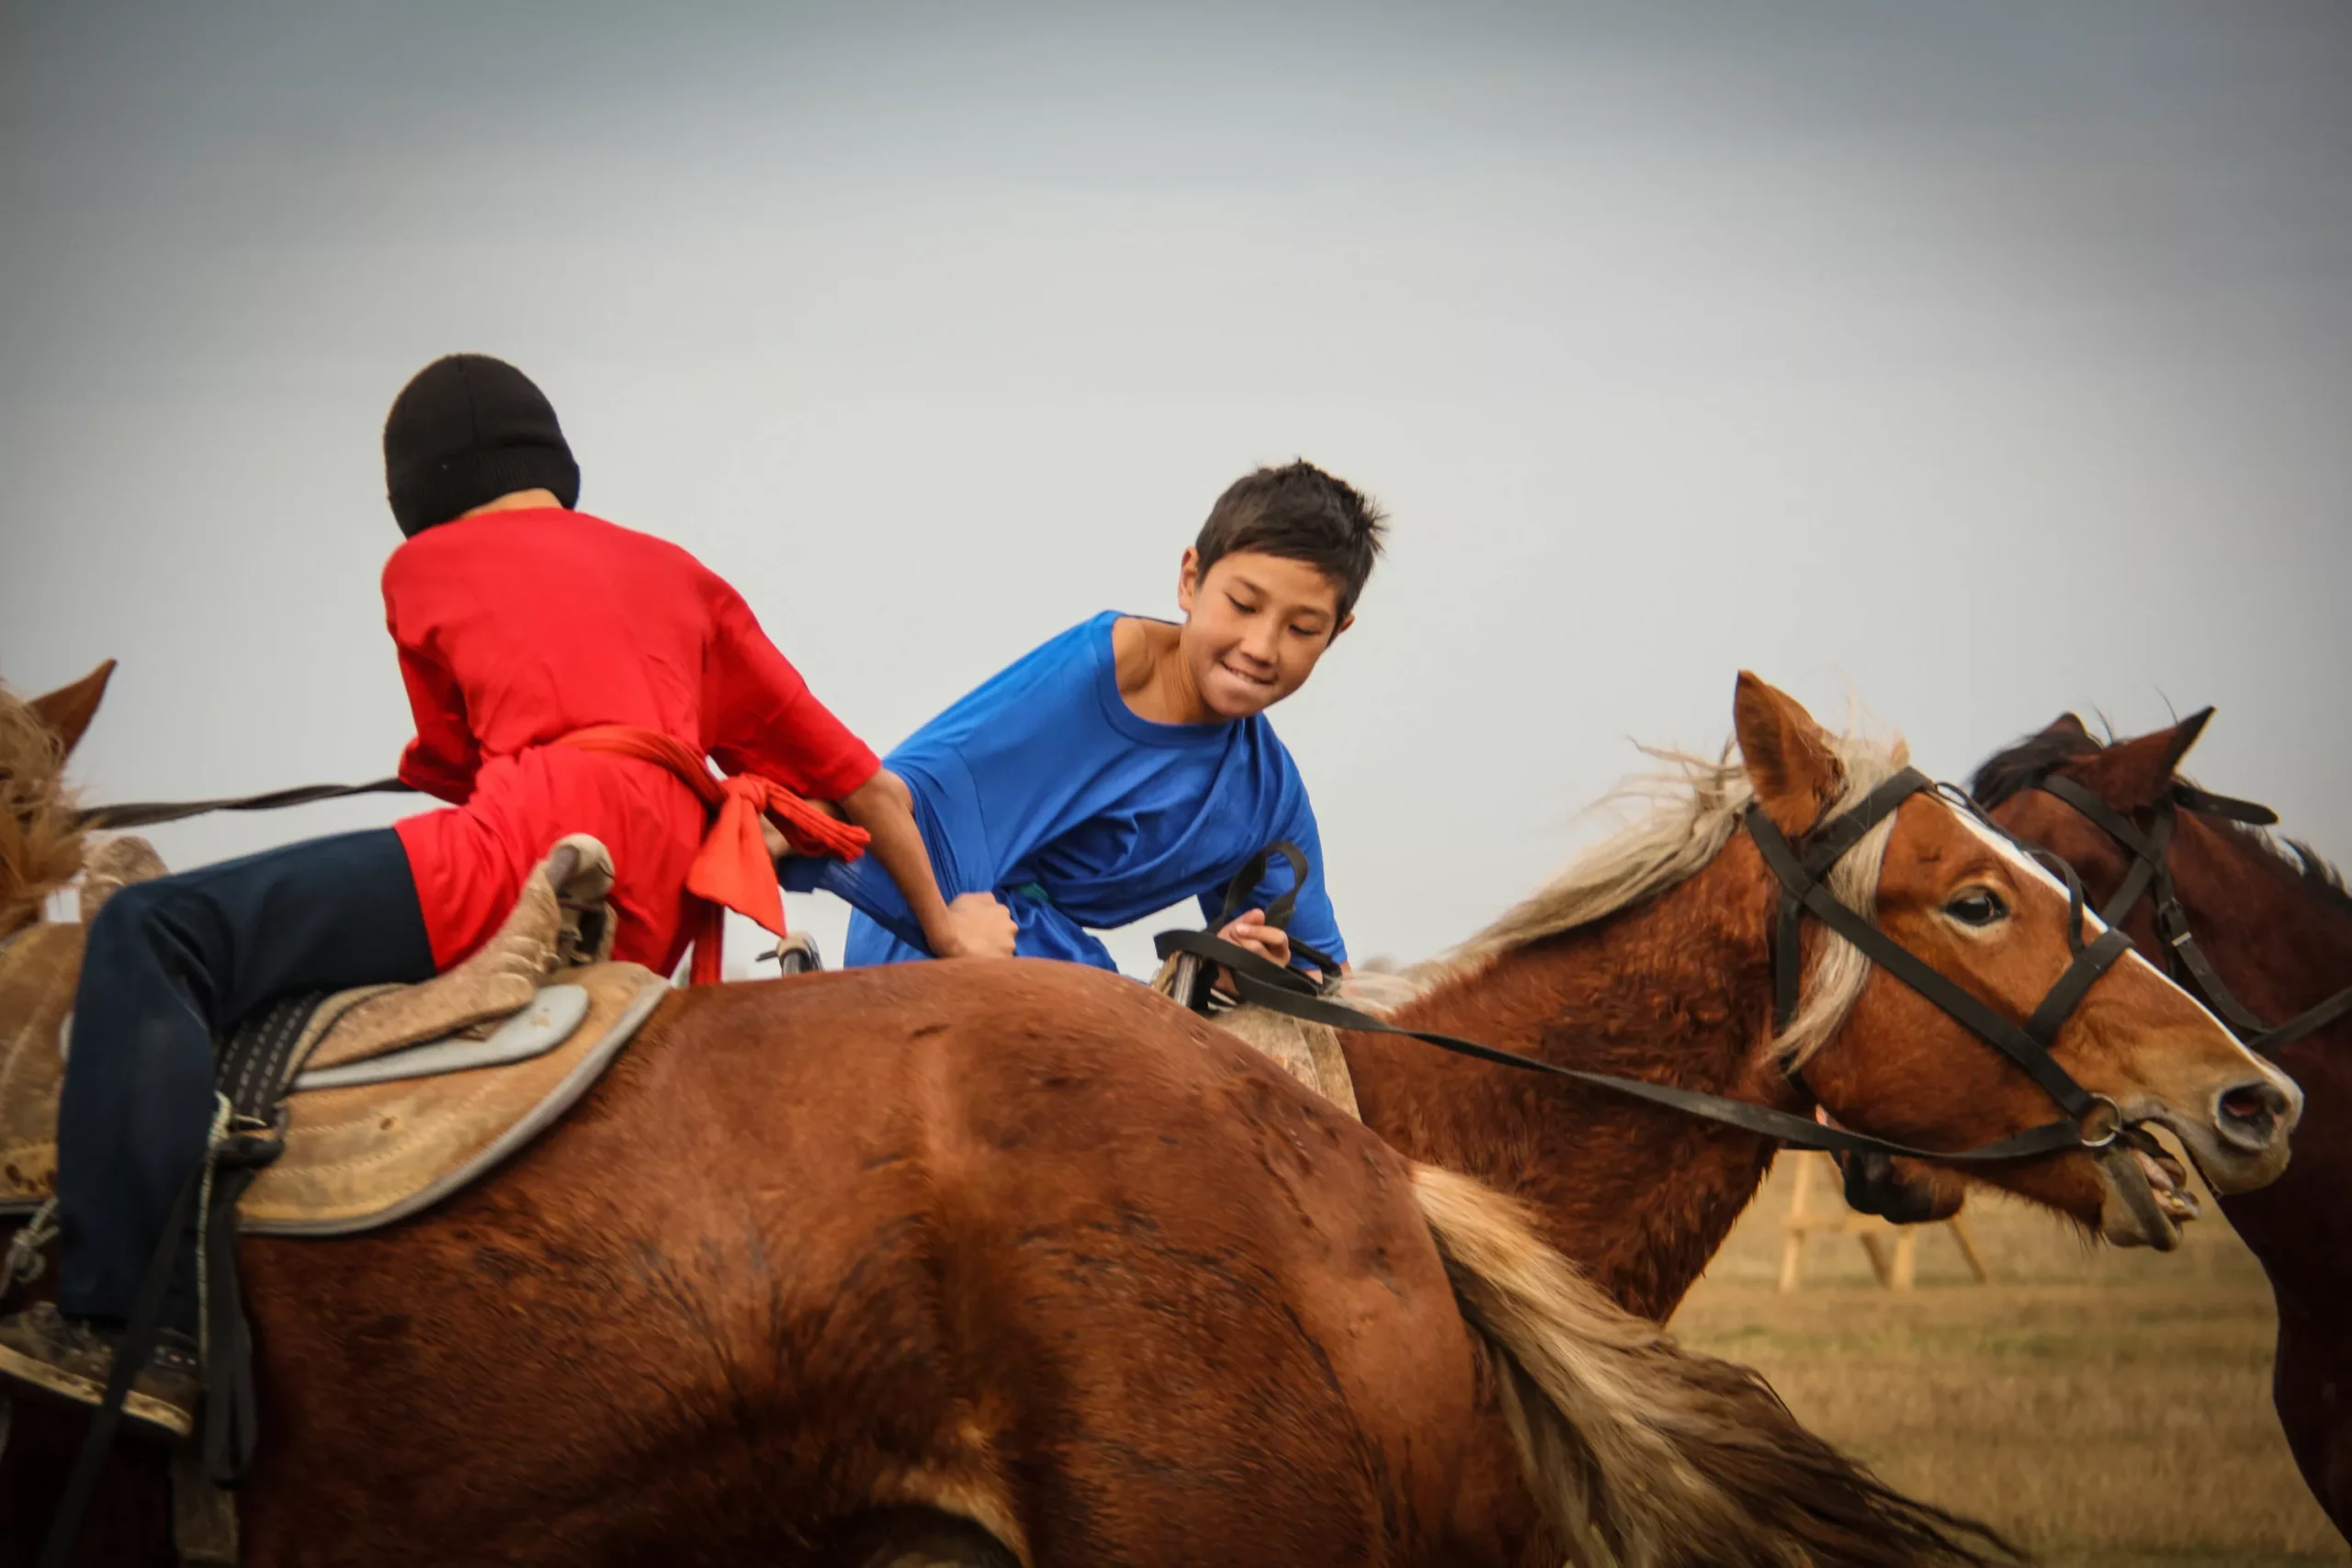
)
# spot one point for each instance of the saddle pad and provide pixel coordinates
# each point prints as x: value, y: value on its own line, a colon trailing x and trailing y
x: 1307, y: 1052
x: 357, y: 1155
x: 368, y: 1153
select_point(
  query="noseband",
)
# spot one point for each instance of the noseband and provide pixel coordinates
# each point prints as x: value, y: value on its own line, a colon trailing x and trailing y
x: 2151, y: 877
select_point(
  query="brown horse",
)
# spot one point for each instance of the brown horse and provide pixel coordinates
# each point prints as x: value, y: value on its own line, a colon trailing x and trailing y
x: 973, y: 1263
x: 1650, y: 959
x: 2276, y: 923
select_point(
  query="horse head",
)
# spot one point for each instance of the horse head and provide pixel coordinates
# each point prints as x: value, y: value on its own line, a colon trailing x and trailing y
x: 1983, y: 913
x: 41, y: 834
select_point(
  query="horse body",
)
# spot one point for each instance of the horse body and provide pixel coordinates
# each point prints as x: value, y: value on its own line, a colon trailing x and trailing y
x: 828, y: 1258
x: 2276, y: 925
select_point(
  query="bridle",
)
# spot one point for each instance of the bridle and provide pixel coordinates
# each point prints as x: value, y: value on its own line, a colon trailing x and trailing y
x: 1803, y: 871
x: 2088, y: 1121
x: 2151, y: 878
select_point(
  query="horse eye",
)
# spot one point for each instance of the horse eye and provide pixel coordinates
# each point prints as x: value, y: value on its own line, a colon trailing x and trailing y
x: 1976, y: 907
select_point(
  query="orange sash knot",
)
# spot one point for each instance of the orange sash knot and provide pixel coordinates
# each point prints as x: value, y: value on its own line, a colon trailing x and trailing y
x: 732, y: 870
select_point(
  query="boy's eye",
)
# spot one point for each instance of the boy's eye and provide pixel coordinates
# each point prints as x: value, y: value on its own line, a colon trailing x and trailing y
x: 1245, y: 609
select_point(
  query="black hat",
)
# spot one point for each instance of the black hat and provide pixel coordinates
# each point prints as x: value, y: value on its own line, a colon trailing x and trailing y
x: 468, y: 429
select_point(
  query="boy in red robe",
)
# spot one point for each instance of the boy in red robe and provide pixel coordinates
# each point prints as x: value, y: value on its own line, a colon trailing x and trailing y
x: 521, y: 624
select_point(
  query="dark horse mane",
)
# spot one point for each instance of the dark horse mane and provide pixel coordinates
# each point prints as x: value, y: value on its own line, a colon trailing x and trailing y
x: 2018, y: 768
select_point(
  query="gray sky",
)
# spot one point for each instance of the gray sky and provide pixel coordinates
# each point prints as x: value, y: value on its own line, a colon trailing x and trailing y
x: 1982, y: 360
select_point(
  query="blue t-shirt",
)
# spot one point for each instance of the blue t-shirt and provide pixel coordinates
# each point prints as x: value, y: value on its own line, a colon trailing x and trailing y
x: 1045, y: 788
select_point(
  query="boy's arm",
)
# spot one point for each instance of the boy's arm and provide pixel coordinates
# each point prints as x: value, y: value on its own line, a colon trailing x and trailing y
x: 769, y: 723
x: 445, y: 756
x: 975, y: 924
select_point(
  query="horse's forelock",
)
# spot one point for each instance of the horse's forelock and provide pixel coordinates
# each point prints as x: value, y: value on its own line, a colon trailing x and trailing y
x: 2009, y: 773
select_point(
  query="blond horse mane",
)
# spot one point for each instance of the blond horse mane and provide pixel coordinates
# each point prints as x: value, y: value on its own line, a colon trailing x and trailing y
x: 40, y: 831
x: 1694, y: 805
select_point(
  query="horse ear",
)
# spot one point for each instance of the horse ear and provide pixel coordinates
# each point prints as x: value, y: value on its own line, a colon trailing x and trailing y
x: 2136, y: 772
x: 2065, y: 725
x: 1788, y: 760
x: 66, y: 711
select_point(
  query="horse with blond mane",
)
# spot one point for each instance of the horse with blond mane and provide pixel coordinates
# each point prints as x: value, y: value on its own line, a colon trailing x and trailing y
x: 1651, y: 957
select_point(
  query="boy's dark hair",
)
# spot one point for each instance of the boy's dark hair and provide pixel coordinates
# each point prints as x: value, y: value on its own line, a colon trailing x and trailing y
x: 1300, y: 512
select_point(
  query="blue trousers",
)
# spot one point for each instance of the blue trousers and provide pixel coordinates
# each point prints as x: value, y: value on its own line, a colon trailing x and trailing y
x: 170, y: 965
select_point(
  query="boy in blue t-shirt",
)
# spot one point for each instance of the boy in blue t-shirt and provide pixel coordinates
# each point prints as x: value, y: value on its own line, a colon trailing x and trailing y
x: 1127, y: 764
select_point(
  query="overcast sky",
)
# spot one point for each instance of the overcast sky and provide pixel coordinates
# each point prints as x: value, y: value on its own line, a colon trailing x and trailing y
x: 1982, y: 360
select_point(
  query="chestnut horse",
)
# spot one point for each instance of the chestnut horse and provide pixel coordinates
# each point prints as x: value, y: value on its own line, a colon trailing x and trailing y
x: 1650, y: 958
x: 976, y: 1263
x: 2275, y: 923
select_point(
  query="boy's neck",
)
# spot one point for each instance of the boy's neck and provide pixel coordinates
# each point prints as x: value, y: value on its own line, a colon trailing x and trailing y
x: 1154, y: 678
x: 518, y: 501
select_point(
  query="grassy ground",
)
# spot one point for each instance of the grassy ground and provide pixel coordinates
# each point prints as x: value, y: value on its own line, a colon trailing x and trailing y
x: 2106, y: 1409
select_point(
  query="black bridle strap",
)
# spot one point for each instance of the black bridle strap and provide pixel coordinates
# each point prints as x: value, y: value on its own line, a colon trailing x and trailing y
x: 2150, y: 876
x: 1798, y: 876
x: 2029, y: 1046
x: 1266, y: 984
x: 150, y: 814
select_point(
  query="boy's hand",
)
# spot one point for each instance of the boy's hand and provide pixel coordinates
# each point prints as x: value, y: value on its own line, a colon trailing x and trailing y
x: 980, y: 926
x: 1250, y: 930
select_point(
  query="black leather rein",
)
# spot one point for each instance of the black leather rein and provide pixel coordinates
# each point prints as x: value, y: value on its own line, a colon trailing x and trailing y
x: 2091, y: 1122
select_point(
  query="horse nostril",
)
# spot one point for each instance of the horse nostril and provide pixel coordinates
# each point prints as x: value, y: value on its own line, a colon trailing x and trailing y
x: 2250, y: 1114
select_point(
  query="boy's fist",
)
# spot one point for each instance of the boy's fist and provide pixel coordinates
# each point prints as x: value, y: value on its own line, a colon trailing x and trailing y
x: 981, y: 927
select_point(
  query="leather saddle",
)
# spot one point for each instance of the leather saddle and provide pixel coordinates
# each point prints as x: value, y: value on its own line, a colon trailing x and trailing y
x: 387, y: 1099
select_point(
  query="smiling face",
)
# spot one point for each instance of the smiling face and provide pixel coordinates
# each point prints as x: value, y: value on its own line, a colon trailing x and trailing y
x: 1979, y: 912
x: 1254, y: 626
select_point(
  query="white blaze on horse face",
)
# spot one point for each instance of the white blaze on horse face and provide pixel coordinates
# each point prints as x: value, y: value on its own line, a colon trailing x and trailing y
x: 2092, y: 925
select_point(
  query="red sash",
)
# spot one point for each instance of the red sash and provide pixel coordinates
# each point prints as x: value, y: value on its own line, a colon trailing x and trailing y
x: 732, y: 870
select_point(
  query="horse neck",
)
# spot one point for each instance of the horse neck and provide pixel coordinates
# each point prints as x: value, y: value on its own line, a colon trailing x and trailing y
x: 2282, y: 944
x: 1677, y: 990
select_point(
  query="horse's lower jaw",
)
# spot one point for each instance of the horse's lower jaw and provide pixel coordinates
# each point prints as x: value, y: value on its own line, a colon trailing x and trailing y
x: 2130, y: 1212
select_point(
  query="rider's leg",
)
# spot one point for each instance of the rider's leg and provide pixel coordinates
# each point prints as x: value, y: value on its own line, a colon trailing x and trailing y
x: 171, y: 965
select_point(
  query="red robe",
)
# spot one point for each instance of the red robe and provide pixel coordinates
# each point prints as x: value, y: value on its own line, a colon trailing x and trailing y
x: 517, y: 627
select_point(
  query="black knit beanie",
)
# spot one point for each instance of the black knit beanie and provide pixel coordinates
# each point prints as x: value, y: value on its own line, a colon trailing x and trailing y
x: 466, y: 430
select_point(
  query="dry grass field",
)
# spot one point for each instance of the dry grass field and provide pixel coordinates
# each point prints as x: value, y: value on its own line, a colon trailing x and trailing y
x: 2106, y: 1409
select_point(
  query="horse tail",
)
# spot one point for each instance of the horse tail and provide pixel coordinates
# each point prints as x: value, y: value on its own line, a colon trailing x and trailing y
x: 1645, y: 1455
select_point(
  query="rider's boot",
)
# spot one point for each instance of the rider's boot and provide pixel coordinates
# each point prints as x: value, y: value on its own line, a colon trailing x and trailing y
x: 43, y: 1351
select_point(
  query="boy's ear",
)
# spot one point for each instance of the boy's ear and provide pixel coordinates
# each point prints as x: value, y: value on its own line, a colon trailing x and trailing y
x: 1345, y: 622
x: 1188, y: 580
